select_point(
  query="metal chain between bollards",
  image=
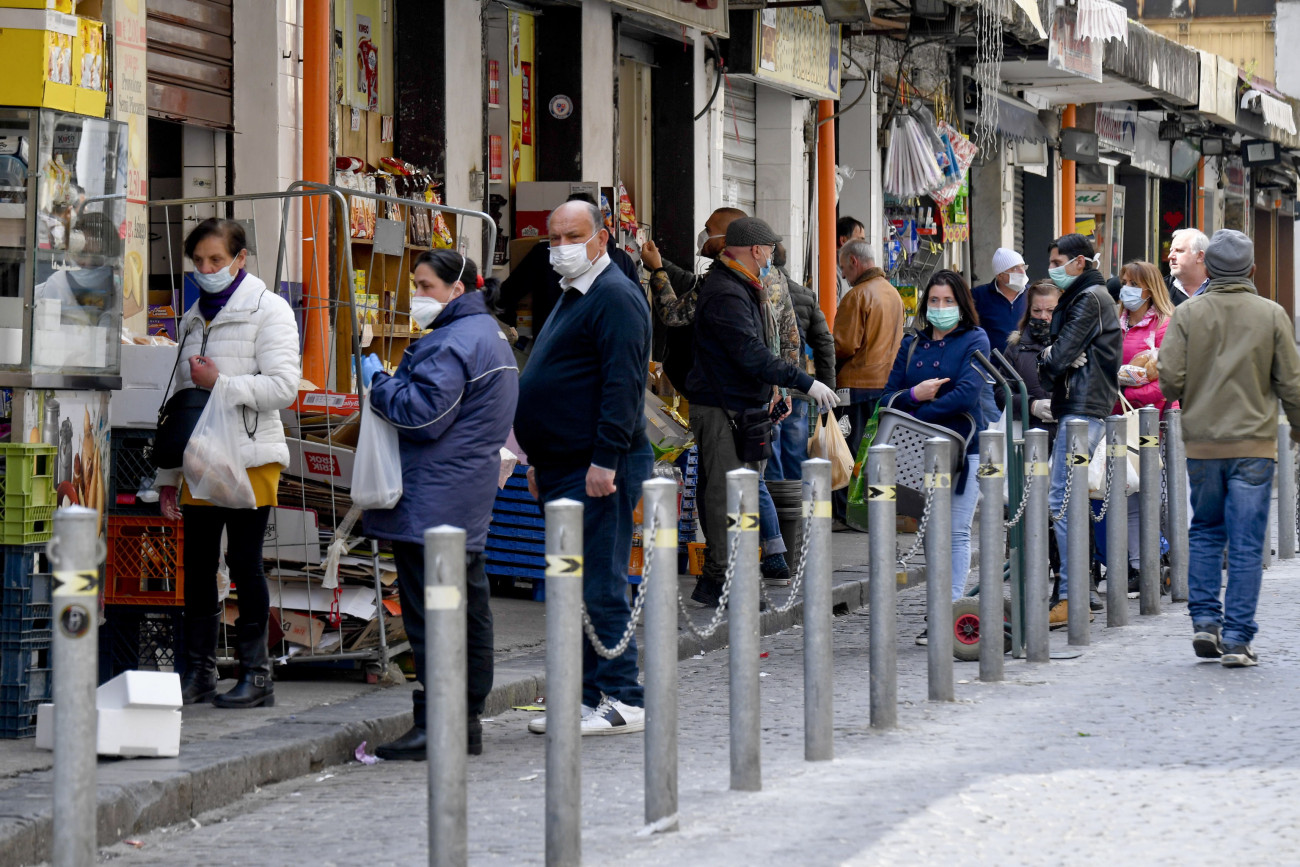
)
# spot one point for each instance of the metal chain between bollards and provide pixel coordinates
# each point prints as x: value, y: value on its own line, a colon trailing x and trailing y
x: 707, y: 632
x: 906, y: 558
x: 619, y: 649
x: 1105, y: 496
x: 796, y: 582
x: 1065, y: 501
x: 1024, y: 503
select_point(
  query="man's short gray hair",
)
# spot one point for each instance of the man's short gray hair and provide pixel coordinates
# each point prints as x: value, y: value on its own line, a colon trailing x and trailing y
x: 860, y: 250
x: 1200, y: 243
x: 597, y: 218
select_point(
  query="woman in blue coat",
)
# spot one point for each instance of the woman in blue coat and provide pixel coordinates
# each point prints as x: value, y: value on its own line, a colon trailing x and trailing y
x: 452, y: 401
x: 934, y: 379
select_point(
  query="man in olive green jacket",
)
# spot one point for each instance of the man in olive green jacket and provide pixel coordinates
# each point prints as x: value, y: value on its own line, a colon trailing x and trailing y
x: 1228, y: 357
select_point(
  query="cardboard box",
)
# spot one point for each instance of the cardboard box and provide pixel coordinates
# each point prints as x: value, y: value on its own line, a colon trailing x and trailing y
x: 322, y: 463
x: 293, y: 535
x: 534, y: 201
x: 135, y: 408
x: 695, y: 555
x: 37, y: 45
x: 299, y: 628
x: 64, y: 6
x: 147, y: 366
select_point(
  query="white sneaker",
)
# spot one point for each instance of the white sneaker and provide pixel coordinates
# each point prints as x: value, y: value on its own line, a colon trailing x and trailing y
x: 538, y: 726
x: 613, y: 717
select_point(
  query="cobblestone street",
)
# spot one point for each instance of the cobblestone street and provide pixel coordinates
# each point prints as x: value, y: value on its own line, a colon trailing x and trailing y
x: 1134, y: 753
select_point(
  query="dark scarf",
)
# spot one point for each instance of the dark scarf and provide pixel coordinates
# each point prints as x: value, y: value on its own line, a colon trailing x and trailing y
x: 211, y: 303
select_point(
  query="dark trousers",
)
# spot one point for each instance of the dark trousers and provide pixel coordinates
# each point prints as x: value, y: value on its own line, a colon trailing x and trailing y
x: 607, y: 547
x: 409, y: 557
x: 717, y: 458
x: 245, y: 530
x: 862, y: 403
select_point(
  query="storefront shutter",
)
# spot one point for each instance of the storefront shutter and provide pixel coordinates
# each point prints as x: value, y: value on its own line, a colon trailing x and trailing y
x: 1018, y: 208
x: 189, y: 61
x: 738, y: 145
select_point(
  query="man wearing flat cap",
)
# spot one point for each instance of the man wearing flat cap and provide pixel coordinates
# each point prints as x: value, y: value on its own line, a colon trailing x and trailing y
x: 1229, y: 356
x: 737, y: 362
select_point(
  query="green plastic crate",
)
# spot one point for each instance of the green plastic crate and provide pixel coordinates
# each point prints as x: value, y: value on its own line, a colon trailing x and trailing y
x: 28, y: 468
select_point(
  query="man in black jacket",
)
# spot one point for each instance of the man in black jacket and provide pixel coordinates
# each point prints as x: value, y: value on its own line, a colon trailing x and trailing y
x: 737, y: 363
x: 1081, y: 368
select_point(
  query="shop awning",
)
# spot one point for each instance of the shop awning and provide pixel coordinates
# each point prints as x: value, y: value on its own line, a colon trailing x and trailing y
x: 1019, y: 120
x: 1277, y: 113
x: 1160, y: 65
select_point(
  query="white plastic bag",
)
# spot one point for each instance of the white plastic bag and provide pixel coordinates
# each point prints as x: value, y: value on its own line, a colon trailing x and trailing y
x: 377, y: 469
x: 1097, y: 467
x: 213, y: 466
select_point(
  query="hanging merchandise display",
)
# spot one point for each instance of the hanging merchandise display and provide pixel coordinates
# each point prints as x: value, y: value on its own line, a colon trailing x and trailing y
x: 988, y: 69
x: 920, y: 158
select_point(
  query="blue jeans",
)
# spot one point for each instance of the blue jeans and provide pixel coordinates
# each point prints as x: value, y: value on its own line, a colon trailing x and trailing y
x: 989, y: 406
x: 963, y: 513
x: 1060, y: 454
x: 607, y: 547
x: 789, y: 444
x: 769, y: 527
x: 1231, y: 492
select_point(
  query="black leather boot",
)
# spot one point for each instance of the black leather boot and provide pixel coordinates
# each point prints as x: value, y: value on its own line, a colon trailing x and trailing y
x: 475, y: 735
x: 254, y: 688
x: 199, y: 682
x: 410, y: 747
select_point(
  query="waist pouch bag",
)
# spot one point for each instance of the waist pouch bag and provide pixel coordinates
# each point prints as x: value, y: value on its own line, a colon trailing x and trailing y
x: 176, y: 422
x: 752, y: 431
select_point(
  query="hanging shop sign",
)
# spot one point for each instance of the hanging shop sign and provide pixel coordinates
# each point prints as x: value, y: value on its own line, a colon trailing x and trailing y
x: 790, y: 49
x: 1069, y: 51
x: 526, y: 74
x: 709, y: 16
x: 1117, y: 126
x: 1218, y: 91
x: 1150, y: 154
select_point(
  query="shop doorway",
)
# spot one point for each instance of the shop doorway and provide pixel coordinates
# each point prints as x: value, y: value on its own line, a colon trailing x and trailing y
x: 635, y: 135
x: 1264, y: 247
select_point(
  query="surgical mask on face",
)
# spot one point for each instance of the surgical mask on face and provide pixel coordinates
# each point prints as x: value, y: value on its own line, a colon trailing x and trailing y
x: 1131, y: 297
x: 765, y: 270
x: 570, y: 260
x: 1018, y: 281
x: 425, y: 309
x: 943, y: 318
x: 1040, y: 330
x: 703, y: 238
x: 217, y: 281
x: 1059, y: 277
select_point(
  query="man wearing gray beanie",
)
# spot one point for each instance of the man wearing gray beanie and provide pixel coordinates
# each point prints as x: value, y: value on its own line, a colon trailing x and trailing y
x: 1220, y: 347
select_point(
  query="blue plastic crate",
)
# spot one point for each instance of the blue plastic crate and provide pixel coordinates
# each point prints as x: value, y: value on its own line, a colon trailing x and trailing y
x: 505, y: 531
x: 25, y: 608
x: 517, y: 546
x: 18, y: 712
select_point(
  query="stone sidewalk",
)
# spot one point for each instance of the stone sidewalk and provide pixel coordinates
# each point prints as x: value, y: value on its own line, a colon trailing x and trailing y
x: 319, y: 722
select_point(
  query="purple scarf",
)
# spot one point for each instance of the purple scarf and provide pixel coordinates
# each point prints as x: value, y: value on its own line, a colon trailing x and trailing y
x: 210, y: 303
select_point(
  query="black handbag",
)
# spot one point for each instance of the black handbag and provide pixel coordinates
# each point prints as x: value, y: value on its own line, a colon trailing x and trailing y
x: 177, y: 419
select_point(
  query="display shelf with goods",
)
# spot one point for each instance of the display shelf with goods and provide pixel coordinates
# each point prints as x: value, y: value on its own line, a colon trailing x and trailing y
x: 913, y: 249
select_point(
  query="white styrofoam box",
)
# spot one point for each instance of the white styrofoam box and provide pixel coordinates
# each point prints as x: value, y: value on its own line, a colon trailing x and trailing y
x: 122, y: 731
x: 147, y: 366
x: 292, y: 534
x: 134, y: 407
x: 323, y: 463
x: 141, y: 689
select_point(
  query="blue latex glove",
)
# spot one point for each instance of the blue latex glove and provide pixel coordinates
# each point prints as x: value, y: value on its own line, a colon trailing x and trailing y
x: 370, y: 365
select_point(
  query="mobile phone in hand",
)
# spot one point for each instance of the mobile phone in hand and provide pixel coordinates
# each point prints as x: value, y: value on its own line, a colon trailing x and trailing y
x: 779, y: 410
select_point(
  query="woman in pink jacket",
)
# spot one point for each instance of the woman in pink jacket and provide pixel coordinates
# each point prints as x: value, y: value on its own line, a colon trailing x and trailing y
x: 1145, y: 308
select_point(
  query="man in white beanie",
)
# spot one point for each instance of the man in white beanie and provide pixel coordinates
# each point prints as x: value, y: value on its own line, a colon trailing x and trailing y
x: 1000, y: 304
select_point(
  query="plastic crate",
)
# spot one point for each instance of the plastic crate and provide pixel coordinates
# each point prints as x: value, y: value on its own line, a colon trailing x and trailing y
x: 25, y: 682
x: 146, y: 558
x: 24, y: 593
x: 136, y: 638
x: 18, y: 711
x: 28, y: 468
x: 129, y: 469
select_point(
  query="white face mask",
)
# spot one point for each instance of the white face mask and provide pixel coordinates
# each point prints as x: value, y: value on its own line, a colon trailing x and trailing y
x: 703, y: 238
x: 570, y: 260
x: 217, y: 281
x: 1018, y: 281
x: 425, y: 309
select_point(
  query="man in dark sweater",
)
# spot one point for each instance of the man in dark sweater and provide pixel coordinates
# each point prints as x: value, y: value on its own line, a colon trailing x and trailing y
x: 581, y: 421
x: 737, y: 362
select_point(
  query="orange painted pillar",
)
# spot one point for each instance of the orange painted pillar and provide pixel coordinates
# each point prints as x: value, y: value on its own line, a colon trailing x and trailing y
x: 1200, y: 195
x: 827, y: 272
x: 316, y: 43
x: 1067, y: 180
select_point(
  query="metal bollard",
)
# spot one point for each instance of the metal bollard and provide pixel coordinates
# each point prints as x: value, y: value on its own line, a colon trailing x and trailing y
x: 447, y: 706
x: 818, y: 659
x: 882, y: 521
x: 564, y: 682
x: 75, y: 553
x: 938, y: 567
x: 1286, y: 506
x: 1037, y: 514
x: 992, y: 545
x: 1179, y: 520
x: 1149, y: 509
x: 659, y: 505
x: 1117, y: 522
x: 743, y: 629
x: 1078, y: 518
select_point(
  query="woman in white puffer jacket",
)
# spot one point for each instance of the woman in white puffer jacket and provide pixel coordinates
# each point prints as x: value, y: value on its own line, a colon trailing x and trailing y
x: 245, y: 334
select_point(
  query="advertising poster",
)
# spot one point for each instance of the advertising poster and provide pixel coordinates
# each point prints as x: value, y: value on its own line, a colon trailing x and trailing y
x: 1070, y: 52
x: 81, y: 433
x: 798, y: 51
x: 130, y: 105
x: 522, y: 92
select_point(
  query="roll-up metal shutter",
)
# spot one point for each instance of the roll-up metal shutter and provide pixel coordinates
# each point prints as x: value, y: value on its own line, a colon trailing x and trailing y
x: 1018, y: 207
x: 738, y: 145
x: 189, y: 61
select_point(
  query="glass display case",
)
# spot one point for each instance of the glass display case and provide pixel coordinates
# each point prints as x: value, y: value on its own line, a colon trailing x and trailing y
x: 62, y: 212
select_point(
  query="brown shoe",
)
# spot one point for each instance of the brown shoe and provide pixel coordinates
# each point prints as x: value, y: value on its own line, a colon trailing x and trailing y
x: 1060, y: 615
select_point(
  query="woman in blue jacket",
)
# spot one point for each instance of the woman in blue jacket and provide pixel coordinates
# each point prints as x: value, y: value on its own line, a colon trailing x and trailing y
x: 934, y: 379
x: 452, y: 401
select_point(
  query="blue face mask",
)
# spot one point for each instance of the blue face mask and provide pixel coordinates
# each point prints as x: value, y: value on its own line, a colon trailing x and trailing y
x: 943, y: 318
x: 217, y: 281
x: 765, y: 270
x: 1131, y: 297
x: 1059, y: 277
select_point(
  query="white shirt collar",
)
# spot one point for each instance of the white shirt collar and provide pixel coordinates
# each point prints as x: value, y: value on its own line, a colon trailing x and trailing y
x: 583, y: 282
